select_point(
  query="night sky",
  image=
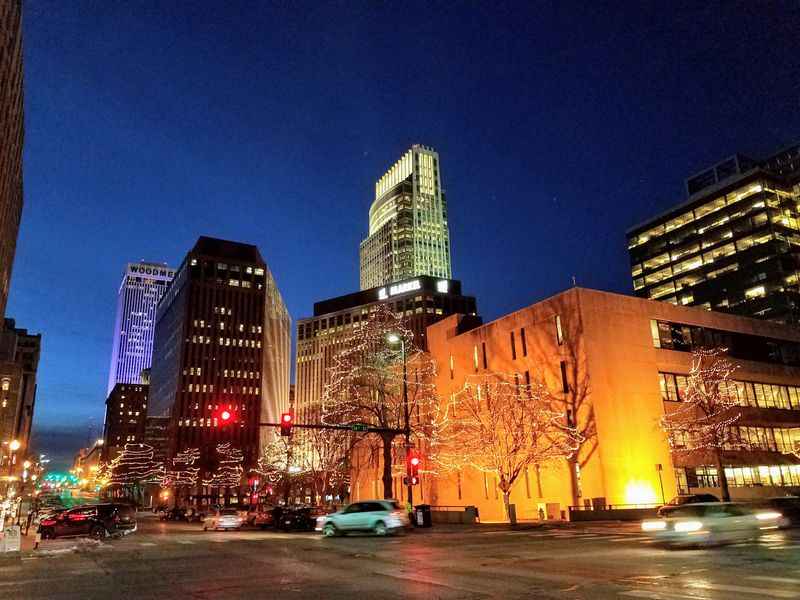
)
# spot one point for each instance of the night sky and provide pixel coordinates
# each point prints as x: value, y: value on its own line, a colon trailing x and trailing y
x: 558, y: 127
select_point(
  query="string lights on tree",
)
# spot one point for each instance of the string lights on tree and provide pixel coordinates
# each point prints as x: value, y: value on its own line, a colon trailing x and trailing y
x: 367, y: 386
x: 701, y: 424
x: 496, y: 424
x: 229, y: 467
x: 184, y: 472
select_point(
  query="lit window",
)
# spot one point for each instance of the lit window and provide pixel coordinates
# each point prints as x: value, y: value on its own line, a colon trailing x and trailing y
x: 755, y: 292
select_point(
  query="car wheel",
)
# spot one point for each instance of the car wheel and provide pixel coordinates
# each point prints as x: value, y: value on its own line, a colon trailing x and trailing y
x: 380, y: 528
x: 205, y: 528
x: 48, y: 534
x: 98, y: 532
x: 329, y: 530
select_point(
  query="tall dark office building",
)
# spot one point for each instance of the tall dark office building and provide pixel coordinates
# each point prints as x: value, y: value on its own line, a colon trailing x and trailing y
x: 733, y: 246
x: 221, y: 342
x: 421, y: 301
x: 11, y: 138
x: 126, y: 413
x: 19, y: 363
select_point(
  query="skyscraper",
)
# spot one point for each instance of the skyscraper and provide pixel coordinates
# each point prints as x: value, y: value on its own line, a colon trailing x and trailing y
x: 222, y: 341
x: 733, y: 246
x: 408, y: 231
x: 11, y: 138
x: 143, y: 285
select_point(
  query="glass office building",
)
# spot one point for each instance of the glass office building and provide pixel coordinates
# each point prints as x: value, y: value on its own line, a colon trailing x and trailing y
x: 733, y: 246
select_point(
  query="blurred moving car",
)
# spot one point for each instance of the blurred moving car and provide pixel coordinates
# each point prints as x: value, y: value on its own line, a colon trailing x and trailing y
x: 787, y: 506
x: 381, y: 517
x: 225, y: 518
x: 95, y: 520
x: 684, y: 499
x: 710, y: 523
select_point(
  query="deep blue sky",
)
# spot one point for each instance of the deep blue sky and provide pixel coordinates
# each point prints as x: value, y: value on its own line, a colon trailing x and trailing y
x: 559, y: 126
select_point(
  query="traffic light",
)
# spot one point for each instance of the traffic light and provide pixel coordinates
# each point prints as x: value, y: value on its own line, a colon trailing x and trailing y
x: 413, y: 462
x: 223, y: 416
x: 286, y: 423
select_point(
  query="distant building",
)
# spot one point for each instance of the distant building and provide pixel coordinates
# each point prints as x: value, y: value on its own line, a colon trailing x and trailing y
x: 618, y: 364
x: 143, y: 284
x: 408, y: 230
x: 222, y: 340
x: 733, y: 246
x: 126, y: 413
x: 422, y: 301
x: 19, y: 362
x: 11, y: 140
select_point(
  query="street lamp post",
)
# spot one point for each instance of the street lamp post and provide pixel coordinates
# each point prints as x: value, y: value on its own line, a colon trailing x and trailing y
x: 394, y: 338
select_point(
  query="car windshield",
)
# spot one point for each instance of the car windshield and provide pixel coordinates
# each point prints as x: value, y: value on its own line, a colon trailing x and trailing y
x: 690, y: 510
x: 228, y: 512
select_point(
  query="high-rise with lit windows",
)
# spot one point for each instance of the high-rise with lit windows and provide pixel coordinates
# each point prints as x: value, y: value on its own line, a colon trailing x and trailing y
x: 141, y: 288
x: 222, y: 340
x: 733, y: 246
x: 408, y: 231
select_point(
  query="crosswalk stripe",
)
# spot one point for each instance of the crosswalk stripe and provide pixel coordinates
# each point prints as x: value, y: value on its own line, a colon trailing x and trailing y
x: 757, y: 591
x: 187, y: 542
x: 147, y: 543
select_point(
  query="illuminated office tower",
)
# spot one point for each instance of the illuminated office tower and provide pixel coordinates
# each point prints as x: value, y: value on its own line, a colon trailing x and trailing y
x: 408, y: 232
x: 142, y: 286
x: 732, y: 246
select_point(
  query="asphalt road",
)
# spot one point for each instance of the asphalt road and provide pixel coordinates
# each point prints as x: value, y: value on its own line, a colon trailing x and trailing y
x: 170, y: 560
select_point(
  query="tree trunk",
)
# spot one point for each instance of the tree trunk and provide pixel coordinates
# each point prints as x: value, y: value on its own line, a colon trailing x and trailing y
x: 387, y: 465
x: 573, y: 480
x: 721, y: 477
x: 506, y: 499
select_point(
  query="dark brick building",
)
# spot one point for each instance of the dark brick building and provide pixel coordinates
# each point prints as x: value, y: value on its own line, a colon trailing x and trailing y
x: 126, y: 412
x: 221, y: 342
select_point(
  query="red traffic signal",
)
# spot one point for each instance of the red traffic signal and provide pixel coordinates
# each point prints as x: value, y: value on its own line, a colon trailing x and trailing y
x: 287, y: 419
x: 224, y: 416
x: 413, y: 461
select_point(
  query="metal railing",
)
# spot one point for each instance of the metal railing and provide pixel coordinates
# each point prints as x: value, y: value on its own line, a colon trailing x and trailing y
x: 612, y: 507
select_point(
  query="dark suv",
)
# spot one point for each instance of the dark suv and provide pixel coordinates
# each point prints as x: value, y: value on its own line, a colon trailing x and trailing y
x: 95, y: 520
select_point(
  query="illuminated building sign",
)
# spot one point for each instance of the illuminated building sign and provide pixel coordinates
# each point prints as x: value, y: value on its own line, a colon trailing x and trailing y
x: 399, y: 288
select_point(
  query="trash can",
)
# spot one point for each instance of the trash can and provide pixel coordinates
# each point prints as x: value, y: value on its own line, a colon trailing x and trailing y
x: 422, y: 515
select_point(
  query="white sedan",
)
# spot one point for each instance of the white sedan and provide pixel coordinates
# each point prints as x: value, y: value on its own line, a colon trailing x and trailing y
x: 227, y: 518
x: 709, y: 523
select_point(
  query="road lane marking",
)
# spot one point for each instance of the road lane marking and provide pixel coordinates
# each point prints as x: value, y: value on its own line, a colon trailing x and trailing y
x: 757, y: 591
x: 774, y: 579
x: 186, y: 542
x: 653, y: 595
x: 147, y: 543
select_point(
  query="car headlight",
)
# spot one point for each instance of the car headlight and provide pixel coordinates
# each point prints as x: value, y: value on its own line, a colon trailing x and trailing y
x: 688, y: 526
x: 653, y: 525
x: 768, y: 515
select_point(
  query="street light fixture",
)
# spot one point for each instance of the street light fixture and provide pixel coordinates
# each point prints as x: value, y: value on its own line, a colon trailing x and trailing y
x: 396, y: 338
x: 14, y: 445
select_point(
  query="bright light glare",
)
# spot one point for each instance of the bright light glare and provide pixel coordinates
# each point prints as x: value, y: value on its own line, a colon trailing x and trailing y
x: 686, y: 526
x: 768, y: 515
x: 393, y: 338
x: 653, y: 525
x: 225, y: 415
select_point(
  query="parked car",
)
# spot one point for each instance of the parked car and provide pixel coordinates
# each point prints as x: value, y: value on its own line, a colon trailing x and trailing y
x: 381, y: 517
x: 710, y: 523
x: 787, y: 506
x: 684, y: 499
x: 262, y: 517
x: 173, y: 514
x: 226, y: 518
x: 95, y: 520
x: 296, y: 518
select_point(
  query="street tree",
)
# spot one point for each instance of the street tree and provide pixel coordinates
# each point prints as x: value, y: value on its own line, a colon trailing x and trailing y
x: 499, y: 424
x: 135, y: 467
x: 700, y: 424
x: 229, y: 470
x: 382, y: 379
x: 324, y: 455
